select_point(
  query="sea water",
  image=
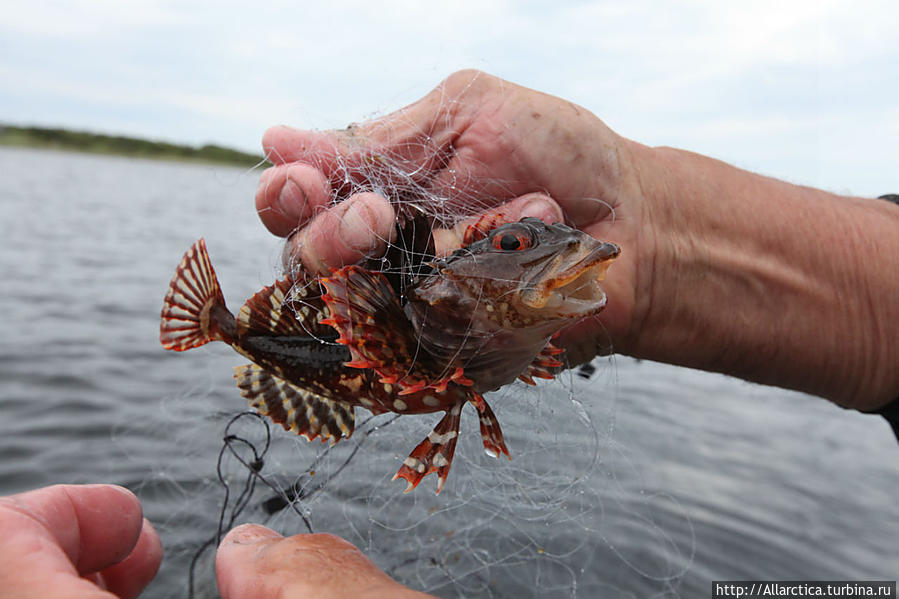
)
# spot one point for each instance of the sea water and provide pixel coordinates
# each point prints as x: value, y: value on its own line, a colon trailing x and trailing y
x: 640, y: 480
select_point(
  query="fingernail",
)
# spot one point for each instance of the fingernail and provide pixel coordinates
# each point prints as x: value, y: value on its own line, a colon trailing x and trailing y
x: 543, y: 209
x: 355, y: 229
x: 247, y: 534
x: 292, y: 199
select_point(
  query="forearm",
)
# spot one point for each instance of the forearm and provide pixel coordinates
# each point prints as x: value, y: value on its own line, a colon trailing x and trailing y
x: 768, y: 281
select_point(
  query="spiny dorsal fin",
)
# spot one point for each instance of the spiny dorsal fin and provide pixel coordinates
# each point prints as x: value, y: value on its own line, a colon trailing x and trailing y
x: 409, y: 254
x: 282, y: 310
x: 296, y: 409
x: 193, y: 290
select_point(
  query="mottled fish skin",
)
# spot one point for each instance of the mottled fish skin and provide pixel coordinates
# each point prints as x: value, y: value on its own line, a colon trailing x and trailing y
x: 395, y: 342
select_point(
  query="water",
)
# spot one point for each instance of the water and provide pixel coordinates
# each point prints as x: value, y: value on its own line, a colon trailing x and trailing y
x: 646, y: 480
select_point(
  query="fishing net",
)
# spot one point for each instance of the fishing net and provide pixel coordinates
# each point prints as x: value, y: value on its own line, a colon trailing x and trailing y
x: 565, y: 517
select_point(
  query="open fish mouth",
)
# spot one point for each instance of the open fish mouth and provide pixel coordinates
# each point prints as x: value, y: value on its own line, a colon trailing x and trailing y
x: 574, y: 289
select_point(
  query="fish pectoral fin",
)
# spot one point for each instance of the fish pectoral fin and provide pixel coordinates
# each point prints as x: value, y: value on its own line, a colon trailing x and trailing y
x: 193, y: 292
x: 366, y: 312
x: 296, y: 409
x: 434, y: 454
x: 545, y: 364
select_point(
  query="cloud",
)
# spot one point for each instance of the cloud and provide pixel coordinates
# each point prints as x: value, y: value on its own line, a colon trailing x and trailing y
x: 753, y: 82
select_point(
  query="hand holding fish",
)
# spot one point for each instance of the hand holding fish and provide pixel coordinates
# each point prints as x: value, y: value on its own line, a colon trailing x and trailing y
x: 474, y: 139
x: 721, y: 269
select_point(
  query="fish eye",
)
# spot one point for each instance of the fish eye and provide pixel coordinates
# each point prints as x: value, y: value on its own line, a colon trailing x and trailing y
x: 512, y: 241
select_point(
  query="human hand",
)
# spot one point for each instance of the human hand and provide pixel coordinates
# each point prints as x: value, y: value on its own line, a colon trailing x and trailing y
x: 76, y: 541
x: 254, y: 562
x: 474, y: 143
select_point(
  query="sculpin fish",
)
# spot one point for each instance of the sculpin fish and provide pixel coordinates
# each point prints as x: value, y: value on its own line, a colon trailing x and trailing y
x: 429, y: 336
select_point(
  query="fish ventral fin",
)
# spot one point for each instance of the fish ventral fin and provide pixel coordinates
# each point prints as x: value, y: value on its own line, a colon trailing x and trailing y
x: 280, y: 310
x: 296, y: 409
x: 366, y: 312
x: 434, y: 454
x: 192, y: 293
x: 491, y: 433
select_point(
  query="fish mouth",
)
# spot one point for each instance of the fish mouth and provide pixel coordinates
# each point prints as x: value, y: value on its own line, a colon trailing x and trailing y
x: 572, y: 288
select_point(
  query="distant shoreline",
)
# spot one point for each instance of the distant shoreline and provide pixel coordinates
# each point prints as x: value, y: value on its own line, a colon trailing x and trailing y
x: 95, y: 143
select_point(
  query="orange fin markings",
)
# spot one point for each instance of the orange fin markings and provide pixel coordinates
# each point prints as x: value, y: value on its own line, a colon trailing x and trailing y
x: 545, y: 364
x: 193, y: 291
x: 491, y: 433
x: 366, y: 312
x: 434, y: 454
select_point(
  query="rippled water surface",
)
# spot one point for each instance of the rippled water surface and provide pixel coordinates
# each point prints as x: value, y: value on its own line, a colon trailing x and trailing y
x: 644, y: 480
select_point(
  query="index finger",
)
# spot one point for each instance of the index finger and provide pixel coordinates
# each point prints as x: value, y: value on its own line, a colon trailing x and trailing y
x: 92, y: 526
x: 289, y: 195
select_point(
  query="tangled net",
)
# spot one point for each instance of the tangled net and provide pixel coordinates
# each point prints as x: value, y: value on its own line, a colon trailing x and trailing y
x: 546, y: 523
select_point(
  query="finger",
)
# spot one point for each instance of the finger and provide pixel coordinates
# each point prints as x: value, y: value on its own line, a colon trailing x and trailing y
x: 415, y: 139
x: 289, y: 194
x: 240, y: 562
x: 129, y: 577
x: 345, y: 234
x: 255, y: 562
x: 94, y: 526
x: 537, y: 205
x: 283, y: 144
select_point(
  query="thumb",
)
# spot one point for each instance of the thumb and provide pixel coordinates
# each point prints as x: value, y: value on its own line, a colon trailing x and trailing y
x: 238, y: 560
x: 254, y: 562
x: 537, y: 205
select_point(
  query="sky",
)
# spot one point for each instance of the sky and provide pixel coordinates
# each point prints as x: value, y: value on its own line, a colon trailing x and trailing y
x: 807, y: 91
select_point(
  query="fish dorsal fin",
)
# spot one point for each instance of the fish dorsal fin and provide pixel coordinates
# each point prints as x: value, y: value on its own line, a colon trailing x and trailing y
x: 296, y: 409
x: 283, y: 309
x: 408, y: 255
x: 366, y: 312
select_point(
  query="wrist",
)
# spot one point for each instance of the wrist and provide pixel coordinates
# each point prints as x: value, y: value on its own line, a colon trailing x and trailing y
x: 764, y: 280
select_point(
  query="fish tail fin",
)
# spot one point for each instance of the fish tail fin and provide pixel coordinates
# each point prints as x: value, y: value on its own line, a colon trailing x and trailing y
x: 434, y: 454
x: 192, y: 294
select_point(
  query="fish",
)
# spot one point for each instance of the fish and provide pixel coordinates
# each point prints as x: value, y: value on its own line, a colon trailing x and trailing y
x: 424, y: 335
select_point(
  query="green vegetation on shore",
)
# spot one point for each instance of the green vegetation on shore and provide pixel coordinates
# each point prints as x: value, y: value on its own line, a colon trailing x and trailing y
x: 81, y: 141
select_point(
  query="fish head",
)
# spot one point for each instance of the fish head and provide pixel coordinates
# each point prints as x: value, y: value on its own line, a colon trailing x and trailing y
x: 529, y: 272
